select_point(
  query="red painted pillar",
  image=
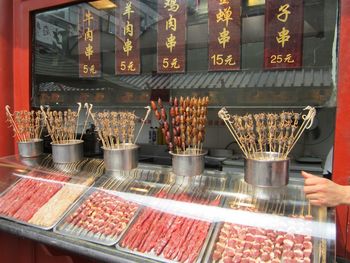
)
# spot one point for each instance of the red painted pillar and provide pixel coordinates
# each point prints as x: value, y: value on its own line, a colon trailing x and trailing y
x: 6, y: 75
x: 341, y: 171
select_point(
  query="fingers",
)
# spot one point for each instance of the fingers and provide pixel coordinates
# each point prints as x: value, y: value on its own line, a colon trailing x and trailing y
x: 316, y: 202
x: 314, y: 196
x: 314, y: 181
x: 309, y: 189
x: 315, y: 199
x: 307, y: 175
x: 311, y: 179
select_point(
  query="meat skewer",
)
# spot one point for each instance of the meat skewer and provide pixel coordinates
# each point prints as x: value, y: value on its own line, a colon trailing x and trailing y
x: 116, y: 129
x: 263, y: 132
x: 26, y: 125
x: 62, y: 126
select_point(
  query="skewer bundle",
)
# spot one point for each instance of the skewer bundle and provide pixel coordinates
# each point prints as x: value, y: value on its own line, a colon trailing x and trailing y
x: 267, y: 132
x: 188, y: 121
x: 26, y: 125
x: 62, y: 126
x: 116, y: 129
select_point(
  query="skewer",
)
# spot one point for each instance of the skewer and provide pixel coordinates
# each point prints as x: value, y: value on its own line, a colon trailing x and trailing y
x: 223, y: 114
x: 143, y: 121
x: 307, y: 123
x: 309, y: 208
x: 77, y: 122
x: 302, y: 211
x: 293, y: 211
x: 273, y: 132
x: 26, y: 125
x: 88, y: 110
x: 188, y: 119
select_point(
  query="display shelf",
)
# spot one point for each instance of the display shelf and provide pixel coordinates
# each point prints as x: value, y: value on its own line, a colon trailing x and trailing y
x: 180, y: 215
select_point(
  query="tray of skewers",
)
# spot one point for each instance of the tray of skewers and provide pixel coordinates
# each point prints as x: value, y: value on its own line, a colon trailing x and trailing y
x: 170, y: 237
x: 41, y: 198
x: 232, y: 242
x: 102, y: 216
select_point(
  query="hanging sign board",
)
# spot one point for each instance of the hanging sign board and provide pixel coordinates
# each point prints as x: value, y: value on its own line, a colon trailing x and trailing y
x: 171, y: 38
x: 284, y: 23
x: 224, y: 35
x: 89, y: 44
x: 127, y: 38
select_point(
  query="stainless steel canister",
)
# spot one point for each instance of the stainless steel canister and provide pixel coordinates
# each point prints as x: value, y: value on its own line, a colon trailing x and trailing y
x: 69, y: 152
x: 266, y: 169
x: 31, y: 148
x: 191, y: 164
x: 124, y: 158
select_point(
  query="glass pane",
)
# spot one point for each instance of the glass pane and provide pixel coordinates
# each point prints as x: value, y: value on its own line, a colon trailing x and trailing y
x: 56, y: 80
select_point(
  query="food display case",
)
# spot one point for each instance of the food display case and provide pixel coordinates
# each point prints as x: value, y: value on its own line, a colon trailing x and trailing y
x: 149, y: 214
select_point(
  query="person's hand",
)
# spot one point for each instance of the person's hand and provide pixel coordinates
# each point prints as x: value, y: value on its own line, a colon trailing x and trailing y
x: 321, y: 191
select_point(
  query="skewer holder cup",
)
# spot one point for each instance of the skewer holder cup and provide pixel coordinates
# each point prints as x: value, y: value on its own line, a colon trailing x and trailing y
x: 190, y: 164
x: 69, y: 152
x: 31, y: 148
x: 124, y: 158
x: 266, y: 170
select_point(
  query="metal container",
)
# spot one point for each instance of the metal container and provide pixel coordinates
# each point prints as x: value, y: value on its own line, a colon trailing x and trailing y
x: 69, y: 152
x: 266, y: 170
x: 122, y: 159
x: 191, y: 164
x: 31, y: 148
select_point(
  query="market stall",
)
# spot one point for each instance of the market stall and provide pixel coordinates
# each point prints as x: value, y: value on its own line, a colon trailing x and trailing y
x: 88, y: 71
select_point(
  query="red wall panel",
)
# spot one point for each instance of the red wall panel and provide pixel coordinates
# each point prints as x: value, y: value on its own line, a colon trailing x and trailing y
x: 6, y: 77
x: 341, y: 169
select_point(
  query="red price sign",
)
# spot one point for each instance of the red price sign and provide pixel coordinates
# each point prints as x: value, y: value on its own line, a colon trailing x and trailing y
x: 283, y: 34
x: 89, y: 44
x: 224, y: 35
x: 171, y: 40
x: 127, y: 28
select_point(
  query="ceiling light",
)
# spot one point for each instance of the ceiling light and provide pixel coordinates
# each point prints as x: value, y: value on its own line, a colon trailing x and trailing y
x: 255, y: 2
x: 103, y: 4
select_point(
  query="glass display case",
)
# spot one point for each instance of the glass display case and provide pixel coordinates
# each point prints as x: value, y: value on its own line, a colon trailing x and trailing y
x: 149, y: 214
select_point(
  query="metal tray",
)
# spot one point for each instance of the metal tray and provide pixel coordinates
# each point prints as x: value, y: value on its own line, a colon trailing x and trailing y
x: 39, y: 226
x: 65, y: 229
x: 211, y: 246
x: 318, y: 253
x: 160, y: 258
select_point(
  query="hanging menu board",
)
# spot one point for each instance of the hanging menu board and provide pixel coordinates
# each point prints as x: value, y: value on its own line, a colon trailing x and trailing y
x: 224, y: 34
x: 171, y: 39
x: 127, y: 38
x: 283, y: 34
x: 89, y: 44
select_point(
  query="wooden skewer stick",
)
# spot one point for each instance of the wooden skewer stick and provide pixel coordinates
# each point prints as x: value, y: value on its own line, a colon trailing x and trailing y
x: 86, y: 105
x: 307, y: 123
x: 77, y: 122
x: 9, y: 115
x: 226, y: 118
x: 49, y: 129
x: 293, y: 211
x: 309, y: 208
x: 143, y: 122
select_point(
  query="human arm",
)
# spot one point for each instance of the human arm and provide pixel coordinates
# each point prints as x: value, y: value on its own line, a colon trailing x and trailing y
x: 321, y: 191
